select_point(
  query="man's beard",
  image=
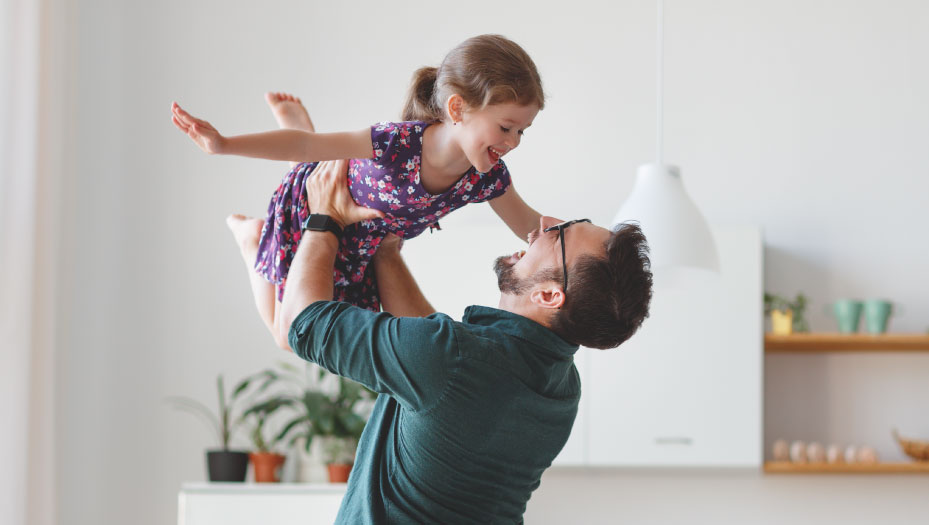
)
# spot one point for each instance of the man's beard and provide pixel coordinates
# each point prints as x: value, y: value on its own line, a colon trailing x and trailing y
x: 507, y: 281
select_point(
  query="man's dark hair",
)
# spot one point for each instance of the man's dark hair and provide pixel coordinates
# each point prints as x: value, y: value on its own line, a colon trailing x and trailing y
x: 608, y: 297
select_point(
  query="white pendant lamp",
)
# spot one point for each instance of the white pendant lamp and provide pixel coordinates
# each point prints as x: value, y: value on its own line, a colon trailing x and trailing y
x: 677, y: 233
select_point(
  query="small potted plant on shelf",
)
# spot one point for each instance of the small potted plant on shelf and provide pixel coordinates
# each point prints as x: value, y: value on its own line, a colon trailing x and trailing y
x: 266, y: 462
x: 786, y: 316
x: 339, y: 455
x: 342, y: 427
x: 222, y: 464
x: 333, y: 417
x: 298, y: 428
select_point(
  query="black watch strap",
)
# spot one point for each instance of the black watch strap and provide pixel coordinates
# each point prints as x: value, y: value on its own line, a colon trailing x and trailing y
x: 318, y: 222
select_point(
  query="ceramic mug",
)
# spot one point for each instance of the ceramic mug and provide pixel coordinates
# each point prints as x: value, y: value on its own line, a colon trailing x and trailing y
x: 848, y: 313
x: 876, y: 314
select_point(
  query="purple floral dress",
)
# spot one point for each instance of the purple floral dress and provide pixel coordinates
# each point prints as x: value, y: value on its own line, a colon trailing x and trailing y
x: 388, y: 182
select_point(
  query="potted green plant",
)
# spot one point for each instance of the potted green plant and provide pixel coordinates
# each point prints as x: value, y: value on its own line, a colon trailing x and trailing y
x: 335, y: 419
x: 222, y: 464
x: 786, y: 316
x: 266, y: 461
x: 332, y: 417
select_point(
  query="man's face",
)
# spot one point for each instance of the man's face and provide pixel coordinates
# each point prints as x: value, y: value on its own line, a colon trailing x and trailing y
x: 541, y: 262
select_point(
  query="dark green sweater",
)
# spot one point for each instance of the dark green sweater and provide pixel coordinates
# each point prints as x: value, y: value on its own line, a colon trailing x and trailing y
x: 470, y: 414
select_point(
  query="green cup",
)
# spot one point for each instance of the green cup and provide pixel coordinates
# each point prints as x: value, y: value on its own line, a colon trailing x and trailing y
x: 847, y: 313
x: 876, y: 314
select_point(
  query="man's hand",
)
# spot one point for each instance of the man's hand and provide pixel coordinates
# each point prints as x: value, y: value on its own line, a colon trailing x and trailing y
x: 389, y: 244
x: 400, y: 295
x: 327, y: 193
x: 200, y: 131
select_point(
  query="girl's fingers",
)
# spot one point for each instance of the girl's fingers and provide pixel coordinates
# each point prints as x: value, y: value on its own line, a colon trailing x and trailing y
x: 178, y: 123
x: 183, y: 117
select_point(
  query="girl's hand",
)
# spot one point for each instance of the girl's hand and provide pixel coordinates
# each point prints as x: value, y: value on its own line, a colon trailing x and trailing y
x: 200, y: 131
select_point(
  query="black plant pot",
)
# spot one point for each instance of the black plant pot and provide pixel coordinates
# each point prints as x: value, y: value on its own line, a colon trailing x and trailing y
x: 226, y: 465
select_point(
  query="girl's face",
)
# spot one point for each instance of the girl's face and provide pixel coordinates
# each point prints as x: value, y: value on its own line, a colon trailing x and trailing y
x: 493, y: 131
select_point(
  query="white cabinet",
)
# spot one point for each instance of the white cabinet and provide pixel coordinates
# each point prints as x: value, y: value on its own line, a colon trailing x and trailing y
x: 686, y: 390
x: 251, y: 503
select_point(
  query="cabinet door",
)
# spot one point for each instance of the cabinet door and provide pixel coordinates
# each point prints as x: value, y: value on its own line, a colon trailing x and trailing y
x: 686, y: 389
x: 250, y: 503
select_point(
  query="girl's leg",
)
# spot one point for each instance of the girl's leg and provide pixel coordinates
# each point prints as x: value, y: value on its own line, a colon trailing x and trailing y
x: 279, y: 335
x: 289, y: 113
x: 247, y: 231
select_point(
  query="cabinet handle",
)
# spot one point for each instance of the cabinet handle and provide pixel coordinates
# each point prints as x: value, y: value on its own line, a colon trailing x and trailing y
x: 674, y: 440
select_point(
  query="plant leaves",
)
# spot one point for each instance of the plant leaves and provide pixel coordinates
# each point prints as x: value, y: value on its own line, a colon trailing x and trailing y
x: 192, y: 406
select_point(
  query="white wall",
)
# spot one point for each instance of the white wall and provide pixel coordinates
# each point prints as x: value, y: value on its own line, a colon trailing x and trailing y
x: 808, y: 118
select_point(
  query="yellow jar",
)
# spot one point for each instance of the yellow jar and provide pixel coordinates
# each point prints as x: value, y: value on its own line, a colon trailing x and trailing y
x: 782, y: 321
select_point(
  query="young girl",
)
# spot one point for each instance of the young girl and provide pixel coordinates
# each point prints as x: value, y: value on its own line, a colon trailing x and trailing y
x: 459, y: 120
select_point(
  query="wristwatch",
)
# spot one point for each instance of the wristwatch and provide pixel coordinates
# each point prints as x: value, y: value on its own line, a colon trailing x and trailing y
x: 317, y: 222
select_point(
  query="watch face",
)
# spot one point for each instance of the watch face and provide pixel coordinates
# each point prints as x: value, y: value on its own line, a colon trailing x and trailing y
x: 322, y: 223
x: 317, y: 222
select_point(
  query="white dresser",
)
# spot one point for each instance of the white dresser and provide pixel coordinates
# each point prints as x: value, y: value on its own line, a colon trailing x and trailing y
x: 251, y: 503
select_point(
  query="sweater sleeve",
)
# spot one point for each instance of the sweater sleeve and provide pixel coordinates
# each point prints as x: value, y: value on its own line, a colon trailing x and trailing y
x: 409, y: 358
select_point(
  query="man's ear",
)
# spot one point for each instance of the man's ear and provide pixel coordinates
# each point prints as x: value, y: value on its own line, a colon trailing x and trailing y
x: 550, y: 296
x: 454, y: 108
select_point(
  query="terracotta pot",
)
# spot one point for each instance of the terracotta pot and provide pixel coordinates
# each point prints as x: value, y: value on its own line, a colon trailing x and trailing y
x: 267, y: 466
x: 338, y: 472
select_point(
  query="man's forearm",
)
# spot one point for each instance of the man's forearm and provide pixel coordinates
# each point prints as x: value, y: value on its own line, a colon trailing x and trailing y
x: 399, y: 293
x: 310, y: 276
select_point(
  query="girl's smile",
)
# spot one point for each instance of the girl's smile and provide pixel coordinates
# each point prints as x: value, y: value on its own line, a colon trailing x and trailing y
x: 489, y: 133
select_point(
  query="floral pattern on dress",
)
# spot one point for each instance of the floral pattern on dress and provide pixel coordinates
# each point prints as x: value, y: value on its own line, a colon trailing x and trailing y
x: 388, y: 182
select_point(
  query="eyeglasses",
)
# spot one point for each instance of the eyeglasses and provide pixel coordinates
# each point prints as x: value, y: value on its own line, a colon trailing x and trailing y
x: 561, y: 227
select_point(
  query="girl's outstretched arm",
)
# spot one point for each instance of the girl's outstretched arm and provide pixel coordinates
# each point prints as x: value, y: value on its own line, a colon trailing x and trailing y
x: 514, y: 211
x: 282, y: 144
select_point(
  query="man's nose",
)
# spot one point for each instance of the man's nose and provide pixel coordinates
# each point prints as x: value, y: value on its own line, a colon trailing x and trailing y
x: 546, y: 221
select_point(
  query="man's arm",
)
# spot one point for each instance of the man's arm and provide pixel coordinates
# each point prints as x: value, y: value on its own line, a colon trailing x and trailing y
x: 405, y: 357
x: 399, y: 293
x: 310, y: 276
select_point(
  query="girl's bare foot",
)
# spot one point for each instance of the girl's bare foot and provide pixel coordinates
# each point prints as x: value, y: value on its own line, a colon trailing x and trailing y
x: 289, y: 111
x: 247, y: 232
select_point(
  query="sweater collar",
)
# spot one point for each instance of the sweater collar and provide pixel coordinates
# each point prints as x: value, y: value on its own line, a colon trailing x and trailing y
x: 521, y: 327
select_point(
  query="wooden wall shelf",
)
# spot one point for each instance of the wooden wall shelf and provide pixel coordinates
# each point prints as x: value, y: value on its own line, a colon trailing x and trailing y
x: 786, y: 467
x: 828, y: 342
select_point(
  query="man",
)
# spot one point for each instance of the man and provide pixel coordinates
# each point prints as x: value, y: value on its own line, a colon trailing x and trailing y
x: 471, y: 413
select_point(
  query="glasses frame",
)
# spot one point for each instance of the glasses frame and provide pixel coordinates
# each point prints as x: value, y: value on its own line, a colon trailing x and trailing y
x: 561, y: 227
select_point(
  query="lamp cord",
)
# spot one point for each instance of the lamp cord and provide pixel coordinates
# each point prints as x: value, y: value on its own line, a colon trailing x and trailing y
x: 660, y: 68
